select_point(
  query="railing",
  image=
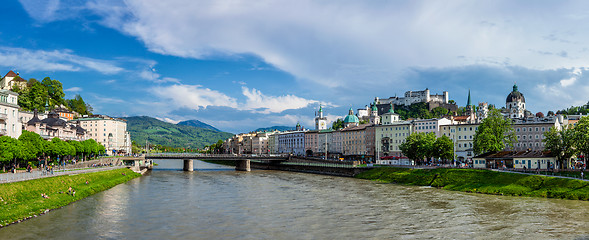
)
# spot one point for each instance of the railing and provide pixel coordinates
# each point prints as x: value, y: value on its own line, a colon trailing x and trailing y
x: 24, y: 176
x: 3, y: 116
x: 216, y: 155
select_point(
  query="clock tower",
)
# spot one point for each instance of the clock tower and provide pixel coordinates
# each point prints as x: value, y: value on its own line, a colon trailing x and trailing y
x: 320, y: 120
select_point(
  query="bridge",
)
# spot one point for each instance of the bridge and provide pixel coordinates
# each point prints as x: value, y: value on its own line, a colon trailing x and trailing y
x: 242, y: 161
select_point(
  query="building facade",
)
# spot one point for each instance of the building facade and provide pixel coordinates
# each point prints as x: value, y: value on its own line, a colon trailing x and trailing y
x: 110, y: 132
x: 9, y: 114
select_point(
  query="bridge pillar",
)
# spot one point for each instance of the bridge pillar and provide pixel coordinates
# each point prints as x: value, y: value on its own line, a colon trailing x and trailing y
x: 188, y: 165
x: 242, y: 165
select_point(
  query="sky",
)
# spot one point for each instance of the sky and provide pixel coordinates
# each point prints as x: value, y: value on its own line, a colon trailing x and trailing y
x: 240, y: 65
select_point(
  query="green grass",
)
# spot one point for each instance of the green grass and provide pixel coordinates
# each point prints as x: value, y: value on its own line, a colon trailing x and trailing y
x: 21, y: 200
x: 483, y: 181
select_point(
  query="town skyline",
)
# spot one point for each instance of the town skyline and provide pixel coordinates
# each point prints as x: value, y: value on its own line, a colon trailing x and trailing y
x: 260, y: 66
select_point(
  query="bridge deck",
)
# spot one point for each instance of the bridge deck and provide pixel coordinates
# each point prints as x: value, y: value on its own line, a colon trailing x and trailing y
x: 227, y: 157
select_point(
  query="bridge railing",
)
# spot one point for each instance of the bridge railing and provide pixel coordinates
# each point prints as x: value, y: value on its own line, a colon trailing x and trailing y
x: 180, y: 155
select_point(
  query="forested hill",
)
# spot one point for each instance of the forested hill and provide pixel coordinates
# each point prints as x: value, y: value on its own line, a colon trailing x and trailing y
x: 173, y: 135
x: 198, y: 124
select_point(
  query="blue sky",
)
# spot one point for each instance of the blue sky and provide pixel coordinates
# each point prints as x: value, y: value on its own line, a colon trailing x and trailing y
x: 240, y: 65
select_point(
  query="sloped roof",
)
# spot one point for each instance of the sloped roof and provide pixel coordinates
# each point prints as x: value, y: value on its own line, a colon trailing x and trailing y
x: 10, y: 74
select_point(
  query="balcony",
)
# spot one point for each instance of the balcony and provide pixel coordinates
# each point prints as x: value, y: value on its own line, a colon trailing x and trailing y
x: 3, y: 132
x: 3, y: 116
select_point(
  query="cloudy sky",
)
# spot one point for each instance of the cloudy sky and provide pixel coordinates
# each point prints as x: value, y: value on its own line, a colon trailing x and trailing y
x: 240, y: 65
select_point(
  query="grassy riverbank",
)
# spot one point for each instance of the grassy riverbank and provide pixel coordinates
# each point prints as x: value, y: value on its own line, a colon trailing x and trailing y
x: 22, y: 200
x: 483, y: 181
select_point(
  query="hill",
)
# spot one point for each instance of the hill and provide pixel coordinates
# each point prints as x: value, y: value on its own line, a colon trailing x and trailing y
x: 167, y: 134
x: 279, y: 128
x: 198, y: 124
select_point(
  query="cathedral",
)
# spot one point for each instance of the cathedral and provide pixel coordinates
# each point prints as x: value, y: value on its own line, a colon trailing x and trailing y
x: 515, y: 104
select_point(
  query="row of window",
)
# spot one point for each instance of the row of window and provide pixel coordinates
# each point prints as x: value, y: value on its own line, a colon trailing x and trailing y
x: 529, y: 129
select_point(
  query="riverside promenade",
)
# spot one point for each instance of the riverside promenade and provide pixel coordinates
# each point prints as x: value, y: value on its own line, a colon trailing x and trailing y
x: 97, y: 165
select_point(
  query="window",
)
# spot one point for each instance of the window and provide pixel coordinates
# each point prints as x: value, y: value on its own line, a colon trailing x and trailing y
x: 524, y: 129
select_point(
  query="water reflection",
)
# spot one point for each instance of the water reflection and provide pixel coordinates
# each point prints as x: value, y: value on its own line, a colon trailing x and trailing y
x: 284, y: 205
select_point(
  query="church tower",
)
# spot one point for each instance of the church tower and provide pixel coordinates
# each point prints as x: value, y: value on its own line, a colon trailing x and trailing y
x: 515, y: 103
x: 320, y: 120
x: 374, y: 118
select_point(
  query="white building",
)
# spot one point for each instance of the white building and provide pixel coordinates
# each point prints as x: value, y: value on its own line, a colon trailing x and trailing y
x: 430, y: 125
x: 291, y: 142
x: 110, y: 132
x: 412, y: 97
x: 462, y: 135
x: 10, y: 80
x: 320, y: 120
x: 9, y: 118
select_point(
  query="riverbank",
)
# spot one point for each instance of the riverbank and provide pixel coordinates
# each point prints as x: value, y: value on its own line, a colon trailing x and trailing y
x: 24, y: 200
x: 483, y: 181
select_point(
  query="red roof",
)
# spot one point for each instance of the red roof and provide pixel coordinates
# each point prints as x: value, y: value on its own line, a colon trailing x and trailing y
x: 10, y: 74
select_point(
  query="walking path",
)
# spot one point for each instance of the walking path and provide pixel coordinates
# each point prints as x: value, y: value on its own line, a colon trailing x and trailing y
x: 24, y: 176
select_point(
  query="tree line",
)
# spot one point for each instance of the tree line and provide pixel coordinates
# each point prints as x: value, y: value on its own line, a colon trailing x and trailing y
x: 31, y: 146
x: 38, y: 93
x: 424, y: 146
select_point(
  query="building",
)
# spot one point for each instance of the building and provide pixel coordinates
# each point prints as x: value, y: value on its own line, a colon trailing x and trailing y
x: 320, y: 120
x: 515, y: 104
x: 9, y: 114
x: 354, y: 141
x: 325, y: 143
x: 311, y: 142
x: 412, y: 97
x: 351, y: 120
x: 110, y: 132
x: 515, y: 159
x: 12, y: 79
x: 64, y: 112
x: 389, y: 137
x: 55, y: 127
x: 260, y: 143
x: 430, y: 125
x: 291, y: 142
x: 530, y: 132
x: 482, y: 111
x: 462, y: 135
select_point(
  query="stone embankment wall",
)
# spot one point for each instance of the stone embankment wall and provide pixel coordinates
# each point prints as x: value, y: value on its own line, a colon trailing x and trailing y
x: 335, y: 171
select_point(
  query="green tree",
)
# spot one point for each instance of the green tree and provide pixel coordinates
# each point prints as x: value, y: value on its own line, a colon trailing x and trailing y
x: 494, y: 134
x: 9, y: 149
x: 444, y: 148
x: 561, y: 144
x: 78, y: 105
x: 581, y: 136
x: 55, y: 90
x: 439, y: 111
x: 338, y: 124
x: 418, y: 146
x: 33, y: 144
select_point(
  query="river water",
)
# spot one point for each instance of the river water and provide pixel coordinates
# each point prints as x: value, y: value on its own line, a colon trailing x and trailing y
x: 216, y: 202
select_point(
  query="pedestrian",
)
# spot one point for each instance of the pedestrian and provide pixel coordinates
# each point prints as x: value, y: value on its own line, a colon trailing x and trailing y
x: 582, y: 174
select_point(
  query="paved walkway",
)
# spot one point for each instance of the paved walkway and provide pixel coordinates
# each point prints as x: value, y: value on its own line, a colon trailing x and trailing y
x: 24, y: 176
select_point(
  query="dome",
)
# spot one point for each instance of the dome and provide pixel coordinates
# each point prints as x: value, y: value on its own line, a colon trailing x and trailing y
x: 374, y: 108
x: 351, y: 118
x: 515, y: 96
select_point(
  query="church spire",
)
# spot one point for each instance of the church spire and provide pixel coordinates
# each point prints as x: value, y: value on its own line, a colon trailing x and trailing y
x: 468, y: 101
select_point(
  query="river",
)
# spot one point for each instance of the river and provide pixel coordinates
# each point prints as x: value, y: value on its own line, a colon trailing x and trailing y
x: 216, y: 202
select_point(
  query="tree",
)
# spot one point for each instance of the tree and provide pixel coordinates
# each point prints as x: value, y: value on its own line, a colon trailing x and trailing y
x: 451, y: 101
x: 444, y: 148
x: 33, y: 144
x: 539, y: 115
x: 581, y: 136
x: 439, y: 111
x: 561, y: 144
x: 9, y: 149
x: 418, y: 146
x: 337, y: 124
x: 55, y: 90
x: 494, y: 134
x: 550, y: 113
x: 78, y: 105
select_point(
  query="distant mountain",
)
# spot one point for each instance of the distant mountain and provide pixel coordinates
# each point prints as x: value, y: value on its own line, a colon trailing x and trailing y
x: 168, y: 134
x: 279, y: 128
x: 198, y: 124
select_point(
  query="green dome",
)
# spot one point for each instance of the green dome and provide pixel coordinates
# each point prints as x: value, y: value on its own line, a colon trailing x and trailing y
x: 351, y: 118
x: 374, y: 109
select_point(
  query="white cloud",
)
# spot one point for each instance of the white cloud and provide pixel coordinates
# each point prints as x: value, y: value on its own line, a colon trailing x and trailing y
x: 73, y: 89
x: 165, y: 119
x: 338, y: 43
x: 193, y: 96
x: 261, y: 103
x: 576, y: 74
x: 57, y: 60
